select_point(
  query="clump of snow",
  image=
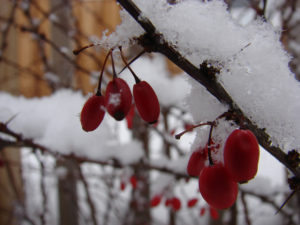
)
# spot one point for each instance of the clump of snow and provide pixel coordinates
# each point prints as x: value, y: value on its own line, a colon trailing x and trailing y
x: 114, y: 99
x: 254, y: 65
x: 54, y: 122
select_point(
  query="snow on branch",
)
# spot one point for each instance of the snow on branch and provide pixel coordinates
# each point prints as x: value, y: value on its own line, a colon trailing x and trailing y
x: 222, y: 77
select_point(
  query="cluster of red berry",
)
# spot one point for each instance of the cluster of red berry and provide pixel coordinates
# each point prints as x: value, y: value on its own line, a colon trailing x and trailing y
x: 174, y: 203
x: 218, y: 182
x: 118, y: 100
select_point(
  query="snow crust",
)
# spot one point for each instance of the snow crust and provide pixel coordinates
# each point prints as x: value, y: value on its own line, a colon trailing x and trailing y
x: 253, y: 63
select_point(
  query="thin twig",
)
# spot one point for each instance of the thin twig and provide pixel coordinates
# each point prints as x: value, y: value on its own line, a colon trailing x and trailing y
x: 88, y: 195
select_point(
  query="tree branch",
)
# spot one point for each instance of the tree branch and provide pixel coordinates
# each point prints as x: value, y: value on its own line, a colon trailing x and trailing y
x: 153, y: 41
x: 20, y: 141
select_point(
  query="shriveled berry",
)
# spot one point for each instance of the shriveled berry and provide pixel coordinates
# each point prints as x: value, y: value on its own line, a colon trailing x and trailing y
x: 118, y: 98
x: 92, y: 113
x: 216, y: 186
x: 146, y: 102
x: 241, y: 155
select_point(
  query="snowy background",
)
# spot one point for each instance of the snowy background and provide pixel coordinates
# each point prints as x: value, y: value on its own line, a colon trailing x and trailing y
x: 255, y: 72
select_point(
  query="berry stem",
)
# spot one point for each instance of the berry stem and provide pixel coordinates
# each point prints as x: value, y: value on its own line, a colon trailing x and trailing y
x: 137, y: 80
x: 113, y: 66
x: 209, y: 145
x: 101, y: 74
x: 178, y: 136
x: 135, y: 58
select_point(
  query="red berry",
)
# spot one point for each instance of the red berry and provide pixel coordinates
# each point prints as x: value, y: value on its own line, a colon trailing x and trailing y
x: 216, y: 186
x: 122, y: 185
x: 192, y: 202
x: 241, y: 155
x: 146, y: 102
x: 118, y: 98
x: 155, y: 201
x: 133, y: 181
x: 202, y: 211
x: 92, y: 113
x: 175, y: 203
x: 214, y: 214
x: 196, y: 162
x: 168, y: 202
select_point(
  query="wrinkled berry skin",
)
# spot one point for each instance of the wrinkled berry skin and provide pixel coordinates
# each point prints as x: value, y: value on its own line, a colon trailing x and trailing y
x: 217, y: 187
x: 241, y: 155
x: 146, y: 102
x: 92, y: 113
x: 118, y: 98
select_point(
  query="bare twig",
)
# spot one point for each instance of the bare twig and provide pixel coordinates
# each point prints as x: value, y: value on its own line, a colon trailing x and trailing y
x: 88, y: 195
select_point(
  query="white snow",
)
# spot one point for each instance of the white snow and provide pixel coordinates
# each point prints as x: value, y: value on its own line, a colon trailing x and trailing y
x: 54, y: 122
x: 114, y: 99
x: 254, y: 65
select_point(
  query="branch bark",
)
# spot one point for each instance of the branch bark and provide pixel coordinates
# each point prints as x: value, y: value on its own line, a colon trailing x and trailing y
x: 153, y: 41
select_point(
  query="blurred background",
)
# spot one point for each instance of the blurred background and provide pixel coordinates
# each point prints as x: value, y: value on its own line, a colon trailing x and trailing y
x: 37, y: 40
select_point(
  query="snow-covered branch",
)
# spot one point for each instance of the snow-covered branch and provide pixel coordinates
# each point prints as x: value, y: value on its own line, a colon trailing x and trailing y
x: 153, y: 41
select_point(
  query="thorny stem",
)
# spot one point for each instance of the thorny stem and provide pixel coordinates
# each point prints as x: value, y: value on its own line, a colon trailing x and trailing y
x: 101, y: 74
x: 137, y: 79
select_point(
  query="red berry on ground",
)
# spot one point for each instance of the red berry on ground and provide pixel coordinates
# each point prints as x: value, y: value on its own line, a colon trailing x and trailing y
x: 146, y: 102
x: 241, y: 155
x: 118, y: 98
x: 216, y: 186
x: 192, y: 202
x: 92, y: 113
x: 155, y: 201
x: 196, y: 162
